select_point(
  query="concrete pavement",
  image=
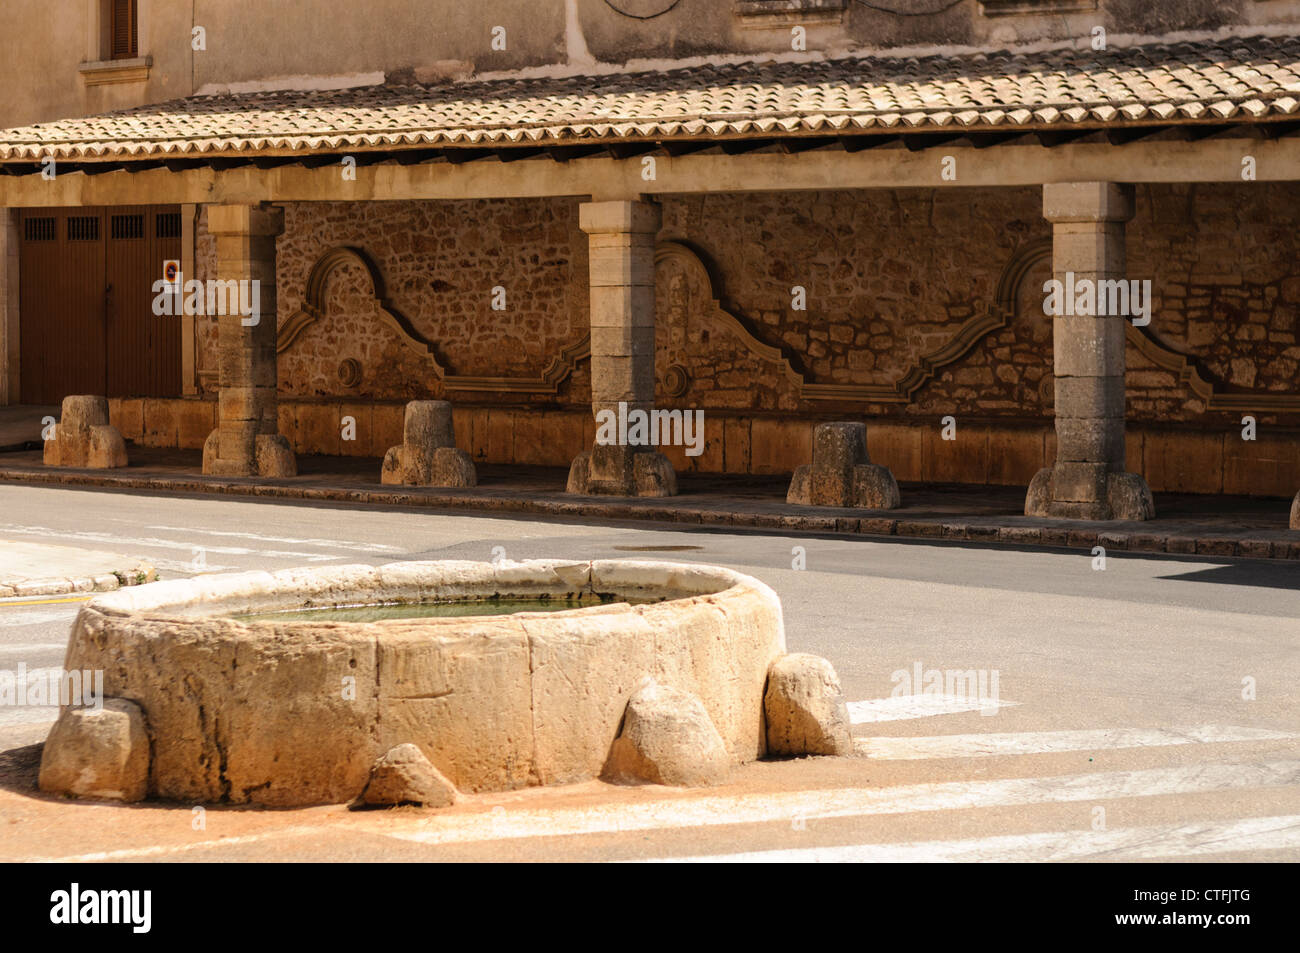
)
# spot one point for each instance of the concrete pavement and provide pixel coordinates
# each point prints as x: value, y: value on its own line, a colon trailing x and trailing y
x: 1144, y: 710
x: 29, y: 568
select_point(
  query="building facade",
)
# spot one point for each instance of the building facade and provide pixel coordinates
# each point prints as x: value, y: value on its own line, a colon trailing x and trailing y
x: 779, y: 213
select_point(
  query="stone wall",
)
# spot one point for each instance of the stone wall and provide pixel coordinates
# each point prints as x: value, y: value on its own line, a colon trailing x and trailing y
x: 889, y: 278
x: 438, y: 263
x: 1225, y: 268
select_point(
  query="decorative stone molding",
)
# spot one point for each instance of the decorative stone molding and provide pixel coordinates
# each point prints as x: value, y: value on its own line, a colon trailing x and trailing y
x: 349, y: 372
x: 113, y: 72
x: 986, y: 319
x: 677, y: 380
x: 83, y: 437
x: 1189, y: 373
x: 725, y: 315
x: 313, y: 309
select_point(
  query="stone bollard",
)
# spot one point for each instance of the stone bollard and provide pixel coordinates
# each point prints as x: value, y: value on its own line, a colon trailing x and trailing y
x: 427, y: 455
x: 1295, y: 512
x: 667, y: 737
x: 84, y: 438
x: 841, y: 474
x: 804, y: 708
x: 98, y: 753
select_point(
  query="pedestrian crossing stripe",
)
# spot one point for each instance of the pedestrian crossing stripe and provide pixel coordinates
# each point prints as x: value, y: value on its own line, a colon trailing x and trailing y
x: 693, y: 811
x: 1131, y: 843
x: 898, y: 707
x: 905, y: 748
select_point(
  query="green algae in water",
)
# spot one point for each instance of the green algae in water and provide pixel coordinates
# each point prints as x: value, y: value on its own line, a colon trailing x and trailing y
x: 429, y: 610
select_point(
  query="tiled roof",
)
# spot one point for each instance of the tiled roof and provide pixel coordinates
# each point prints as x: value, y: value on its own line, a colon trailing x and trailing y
x: 1240, y: 78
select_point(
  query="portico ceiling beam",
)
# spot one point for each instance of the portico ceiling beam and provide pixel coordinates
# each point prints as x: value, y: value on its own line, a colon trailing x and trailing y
x: 1147, y: 160
x: 915, y: 142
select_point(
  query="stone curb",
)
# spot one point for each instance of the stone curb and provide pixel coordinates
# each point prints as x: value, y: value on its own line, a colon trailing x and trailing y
x: 137, y: 575
x: 1054, y: 535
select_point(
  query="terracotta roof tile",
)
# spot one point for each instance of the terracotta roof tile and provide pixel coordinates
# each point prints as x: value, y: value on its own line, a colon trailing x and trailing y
x: 1250, y: 79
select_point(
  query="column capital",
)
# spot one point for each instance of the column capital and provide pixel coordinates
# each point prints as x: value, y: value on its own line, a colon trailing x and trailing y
x: 264, y: 221
x: 625, y: 217
x: 1087, y: 202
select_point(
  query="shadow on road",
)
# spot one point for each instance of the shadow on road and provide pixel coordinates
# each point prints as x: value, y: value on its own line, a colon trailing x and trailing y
x: 1268, y: 575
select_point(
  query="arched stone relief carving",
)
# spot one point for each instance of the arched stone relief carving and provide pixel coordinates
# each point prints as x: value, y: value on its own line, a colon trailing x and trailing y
x: 313, y: 309
x: 717, y: 312
x: 986, y: 319
x: 1185, y: 368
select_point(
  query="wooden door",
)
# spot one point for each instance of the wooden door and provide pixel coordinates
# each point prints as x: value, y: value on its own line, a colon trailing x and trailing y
x: 86, y: 304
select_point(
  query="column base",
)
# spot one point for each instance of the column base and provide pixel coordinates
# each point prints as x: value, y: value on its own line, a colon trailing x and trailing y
x: 841, y: 473
x: 83, y: 437
x: 1126, y: 497
x: 621, y: 473
x: 1295, y: 512
x: 869, y: 486
x: 442, y: 466
x: 273, y: 458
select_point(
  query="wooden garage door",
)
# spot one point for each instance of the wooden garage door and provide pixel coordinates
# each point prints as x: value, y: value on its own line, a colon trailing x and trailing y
x: 86, y: 303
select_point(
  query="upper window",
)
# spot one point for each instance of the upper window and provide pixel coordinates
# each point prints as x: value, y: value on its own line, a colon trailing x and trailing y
x: 790, y: 10
x: 122, y: 30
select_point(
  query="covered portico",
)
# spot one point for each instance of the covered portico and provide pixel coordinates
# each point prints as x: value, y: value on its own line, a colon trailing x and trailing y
x: 1081, y: 129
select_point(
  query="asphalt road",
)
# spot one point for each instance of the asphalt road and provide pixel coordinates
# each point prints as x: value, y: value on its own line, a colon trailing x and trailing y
x: 1146, y: 710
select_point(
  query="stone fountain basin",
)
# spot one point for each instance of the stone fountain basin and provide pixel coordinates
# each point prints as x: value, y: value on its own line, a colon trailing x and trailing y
x: 293, y: 713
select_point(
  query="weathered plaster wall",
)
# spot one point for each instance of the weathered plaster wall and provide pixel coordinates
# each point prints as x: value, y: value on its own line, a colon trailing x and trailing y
x: 345, y: 42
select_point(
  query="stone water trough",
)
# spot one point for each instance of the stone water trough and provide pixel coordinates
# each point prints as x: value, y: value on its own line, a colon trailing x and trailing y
x: 216, y: 692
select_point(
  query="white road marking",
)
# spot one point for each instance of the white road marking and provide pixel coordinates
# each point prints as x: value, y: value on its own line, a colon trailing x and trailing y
x: 919, y: 706
x: 164, y: 850
x: 153, y: 542
x: 784, y: 806
x: 13, y: 617
x: 178, y: 566
x: 14, y: 648
x: 898, y: 748
x: 351, y: 546
x: 1133, y: 843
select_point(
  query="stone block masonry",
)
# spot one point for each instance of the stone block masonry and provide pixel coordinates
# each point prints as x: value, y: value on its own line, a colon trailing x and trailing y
x: 1088, y: 480
x: 622, y: 289
x: 247, y: 440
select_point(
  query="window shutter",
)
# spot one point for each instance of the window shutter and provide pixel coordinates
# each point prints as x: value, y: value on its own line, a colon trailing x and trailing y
x: 123, y: 29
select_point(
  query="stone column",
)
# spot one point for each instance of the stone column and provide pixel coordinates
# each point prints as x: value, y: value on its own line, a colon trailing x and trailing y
x: 622, y: 288
x: 1088, y: 479
x: 247, y: 441
x: 9, y: 322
